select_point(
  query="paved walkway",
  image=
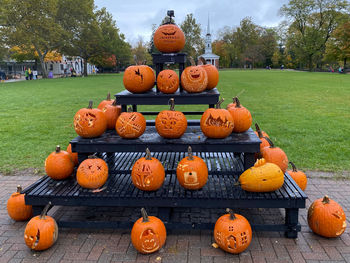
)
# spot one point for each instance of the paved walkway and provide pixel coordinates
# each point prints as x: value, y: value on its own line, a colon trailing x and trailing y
x: 76, y: 245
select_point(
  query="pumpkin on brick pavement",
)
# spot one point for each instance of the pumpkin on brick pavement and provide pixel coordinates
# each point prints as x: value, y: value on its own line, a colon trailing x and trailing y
x: 276, y: 155
x: 139, y: 78
x: 16, y: 207
x: 241, y: 117
x: 262, y: 177
x: 59, y: 164
x: 171, y: 124
x: 167, y: 81
x: 169, y: 38
x: 298, y: 176
x: 212, y: 73
x: 89, y: 122
x: 326, y: 217
x: 192, y: 172
x: 148, y: 173
x: 103, y: 103
x: 257, y: 130
x: 73, y: 155
x: 194, y: 78
x: 130, y: 125
x: 148, y: 233
x: 41, y: 231
x: 112, y: 112
x: 92, y: 173
x: 217, y: 123
x: 232, y: 232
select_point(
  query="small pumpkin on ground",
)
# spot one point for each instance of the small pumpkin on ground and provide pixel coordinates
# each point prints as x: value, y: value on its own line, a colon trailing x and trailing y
x: 217, y: 123
x: 105, y: 102
x: 92, y: 173
x: 16, y: 207
x: 112, y: 112
x: 298, y: 176
x: 212, y: 73
x: 89, y: 122
x: 326, y: 217
x: 130, y: 125
x: 139, y: 78
x: 168, y: 81
x: 171, y: 124
x: 148, y: 173
x: 232, y: 232
x: 241, y: 117
x: 192, y: 172
x: 41, y: 231
x: 276, y: 155
x: 264, y: 134
x: 262, y: 177
x: 73, y: 155
x: 59, y: 164
x: 194, y: 78
x: 148, y: 233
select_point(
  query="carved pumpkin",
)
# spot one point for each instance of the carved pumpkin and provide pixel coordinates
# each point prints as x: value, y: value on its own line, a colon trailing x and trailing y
x: 217, y: 123
x: 59, y: 164
x: 276, y: 155
x: 89, y: 122
x: 148, y: 233
x: 212, y: 73
x: 92, y: 173
x: 298, y: 176
x: 241, y: 117
x: 262, y: 177
x: 73, y: 155
x: 130, y: 125
x: 171, y: 124
x: 264, y: 134
x: 112, y: 112
x: 16, y: 207
x: 139, y: 78
x: 168, y: 81
x: 105, y: 102
x: 232, y: 232
x: 169, y: 38
x: 41, y: 231
x: 326, y: 217
x: 192, y: 172
x: 194, y: 78
x: 148, y: 173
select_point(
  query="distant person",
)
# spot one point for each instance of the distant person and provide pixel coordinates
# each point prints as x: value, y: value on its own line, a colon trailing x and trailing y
x: 340, y: 70
x: 282, y: 67
x: 30, y: 74
x: 26, y: 74
x: 35, y: 74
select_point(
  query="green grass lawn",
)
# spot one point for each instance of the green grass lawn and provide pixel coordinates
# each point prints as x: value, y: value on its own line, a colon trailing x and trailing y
x: 306, y: 114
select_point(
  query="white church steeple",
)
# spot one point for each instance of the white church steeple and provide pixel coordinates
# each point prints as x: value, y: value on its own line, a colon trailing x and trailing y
x: 208, y: 49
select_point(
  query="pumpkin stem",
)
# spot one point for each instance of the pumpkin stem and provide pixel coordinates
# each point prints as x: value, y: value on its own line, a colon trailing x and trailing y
x: 114, y: 102
x: 148, y: 154
x: 58, y: 149
x: 218, y: 105
x: 325, y: 199
x: 130, y: 109
x: 193, y: 63
x: 90, y: 105
x: 45, y: 210
x: 238, y: 103
x: 190, y: 154
x: 293, y: 166
x: 109, y: 96
x: 232, y: 215
x: 172, y: 104
x: 19, y: 189
x: 145, y: 217
x: 270, y: 142
x: 257, y: 128
x: 204, y: 62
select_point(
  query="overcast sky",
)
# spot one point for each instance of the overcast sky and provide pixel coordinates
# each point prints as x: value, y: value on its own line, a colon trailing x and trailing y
x: 135, y: 17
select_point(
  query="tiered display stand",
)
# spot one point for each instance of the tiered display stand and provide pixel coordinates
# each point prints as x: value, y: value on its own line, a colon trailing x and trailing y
x: 226, y: 160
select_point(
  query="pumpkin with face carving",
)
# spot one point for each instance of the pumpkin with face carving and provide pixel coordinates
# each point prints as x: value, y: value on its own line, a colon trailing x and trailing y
x: 192, y: 172
x: 232, y: 232
x: 92, y: 173
x: 148, y: 234
x: 139, y: 78
x: 130, y: 125
x: 169, y: 38
x: 167, y: 81
x: 194, y: 79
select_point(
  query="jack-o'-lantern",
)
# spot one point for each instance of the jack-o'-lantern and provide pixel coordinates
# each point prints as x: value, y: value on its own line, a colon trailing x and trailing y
x: 17, y: 208
x: 241, y: 117
x: 167, y: 81
x: 89, y: 122
x: 192, y: 172
x: 212, y: 73
x: 232, y: 232
x: 92, y: 173
x: 59, y: 164
x: 194, y: 78
x: 112, y: 112
x: 298, y: 176
x: 148, y: 234
x: 217, y: 123
x: 276, y: 155
x: 130, y: 125
x: 103, y: 103
x: 171, y: 124
x: 41, y: 231
x: 148, y: 173
x: 139, y: 78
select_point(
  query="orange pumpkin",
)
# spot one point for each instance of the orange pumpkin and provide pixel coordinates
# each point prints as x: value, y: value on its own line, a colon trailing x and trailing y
x: 16, y: 207
x: 105, y: 102
x: 139, y: 78
x: 171, y: 124
x: 148, y: 173
x: 112, y: 112
x: 326, y: 217
x: 89, y: 122
x: 264, y: 134
x: 194, y: 78
x: 232, y: 232
x: 217, y: 123
x: 59, y: 164
x: 41, y: 231
x: 73, y: 155
x: 169, y: 38
x: 276, y: 155
x: 192, y: 172
x: 148, y: 233
x: 92, y: 173
x: 264, y: 143
x: 168, y: 81
x: 298, y: 176
x: 130, y: 125
x: 241, y: 117
x: 212, y: 73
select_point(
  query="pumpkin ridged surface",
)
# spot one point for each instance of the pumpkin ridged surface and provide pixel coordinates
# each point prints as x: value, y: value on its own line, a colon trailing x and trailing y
x: 216, y: 123
x: 92, y: 173
x: 130, y: 125
x: 242, y: 118
x: 168, y: 81
x: 138, y: 79
x: 213, y: 76
x: 16, y: 207
x: 298, y: 176
x: 169, y: 38
x: 194, y: 79
x: 59, y: 164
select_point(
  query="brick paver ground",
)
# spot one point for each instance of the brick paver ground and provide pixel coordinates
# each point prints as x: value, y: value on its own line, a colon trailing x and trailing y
x: 77, y: 245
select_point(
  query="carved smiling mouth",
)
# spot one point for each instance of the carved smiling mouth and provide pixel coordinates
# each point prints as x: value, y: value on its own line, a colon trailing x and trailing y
x: 196, y: 76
